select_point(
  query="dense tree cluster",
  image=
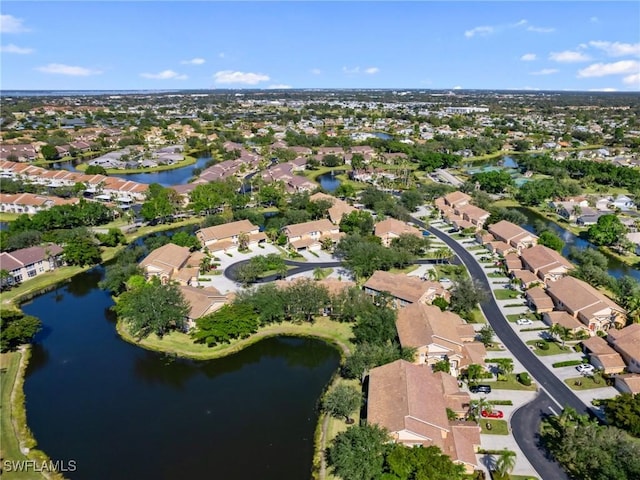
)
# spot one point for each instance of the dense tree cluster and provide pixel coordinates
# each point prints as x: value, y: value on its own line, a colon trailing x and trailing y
x: 16, y: 328
x: 623, y: 412
x: 363, y: 255
x: 63, y: 217
x: 590, y: 451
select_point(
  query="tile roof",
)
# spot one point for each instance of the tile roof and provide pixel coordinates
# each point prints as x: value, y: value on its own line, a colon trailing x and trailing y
x: 410, y: 289
x: 226, y: 230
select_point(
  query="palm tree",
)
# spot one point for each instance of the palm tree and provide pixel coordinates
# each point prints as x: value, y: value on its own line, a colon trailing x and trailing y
x: 432, y: 274
x: 319, y: 273
x: 506, y: 463
x: 477, y: 406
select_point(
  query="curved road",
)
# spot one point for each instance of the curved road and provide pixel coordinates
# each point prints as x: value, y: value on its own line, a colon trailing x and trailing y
x: 526, y: 422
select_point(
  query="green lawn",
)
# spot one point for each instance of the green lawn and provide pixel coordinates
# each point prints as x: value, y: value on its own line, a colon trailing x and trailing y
x: 498, y: 427
x: 41, y: 282
x: 9, y: 445
x: 587, y: 383
x: 506, y: 294
x: 554, y: 348
x: 476, y: 316
x: 496, y: 275
x: 405, y: 270
x: 515, y: 316
x: 511, y: 383
x: 182, y: 345
x: 8, y: 217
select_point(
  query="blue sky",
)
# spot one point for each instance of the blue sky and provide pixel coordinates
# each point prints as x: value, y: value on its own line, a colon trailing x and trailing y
x: 441, y: 45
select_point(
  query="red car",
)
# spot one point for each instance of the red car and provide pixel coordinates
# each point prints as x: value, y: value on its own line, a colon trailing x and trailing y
x: 492, y: 414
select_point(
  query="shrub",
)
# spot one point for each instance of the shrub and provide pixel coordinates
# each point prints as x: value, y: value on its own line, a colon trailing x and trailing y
x: 524, y: 379
x: 568, y: 363
x: 542, y: 345
x: 500, y: 402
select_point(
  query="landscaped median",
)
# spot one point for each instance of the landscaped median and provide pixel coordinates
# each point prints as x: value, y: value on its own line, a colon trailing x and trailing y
x: 544, y: 347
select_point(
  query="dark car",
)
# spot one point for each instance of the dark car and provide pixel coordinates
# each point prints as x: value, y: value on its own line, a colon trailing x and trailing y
x: 480, y: 388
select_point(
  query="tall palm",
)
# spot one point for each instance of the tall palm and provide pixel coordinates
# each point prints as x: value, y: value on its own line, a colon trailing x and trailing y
x: 506, y: 463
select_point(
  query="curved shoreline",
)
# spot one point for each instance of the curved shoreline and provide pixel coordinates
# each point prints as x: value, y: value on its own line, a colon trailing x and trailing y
x: 188, y: 160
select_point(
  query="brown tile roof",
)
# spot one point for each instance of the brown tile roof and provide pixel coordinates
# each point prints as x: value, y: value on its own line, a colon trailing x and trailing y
x: 598, y: 346
x: 391, y: 225
x: 28, y: 256
x: 632, y: 330
x: 226, y: 230
x: 410, y: 289
x: 202, y: 300
x: 540, y: 256
x: 540, y: 298
x: 512, y: 261
x: 338, y: 209
x: 627, y: 341
x: 509, y: 232
x: 526, y: 276
x: 564, y: 319
x: 577, y: 295
x: 166, y: 258
x: 323, y: 226
x: 456, y: 198
x: 632, y: 380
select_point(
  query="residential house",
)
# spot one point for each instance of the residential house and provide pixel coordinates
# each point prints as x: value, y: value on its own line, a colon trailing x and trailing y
x: 585, y: 303
x: 472, y: 214
x: 456, y: 199
x: 626, y: 342
x: 437, y: 336
x: 512, y: 262
x: 623, y: 203
x: 18, y: 152
x: 628, y: 383
x: 562, y: 318
x: 201, y: 301
x: 27, y: 263
x: 570, y: 210
x: 226, y: 237
x: 547, y: 264
x: 513, y: 234
x: 411, y: 401
x: 338, y: 209
x: 391, y: 228
x: 310, y: 235
x: 524, y: 279
x: 602, y: 356
x: 30, y: 204
x: 404, y: 290
x: 538, y: 300
x: 172, y: 263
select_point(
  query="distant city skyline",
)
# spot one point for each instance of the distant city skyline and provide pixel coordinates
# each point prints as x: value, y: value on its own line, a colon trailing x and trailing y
x: 528, y: 45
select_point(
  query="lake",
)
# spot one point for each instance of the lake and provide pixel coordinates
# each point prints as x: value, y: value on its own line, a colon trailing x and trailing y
x: 616, y: 267
x: 166, y: 178
x: 123, y: 412
x: 328, y: 181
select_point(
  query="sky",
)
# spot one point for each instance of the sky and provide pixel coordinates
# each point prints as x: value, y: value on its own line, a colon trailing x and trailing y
x: 158, y: 45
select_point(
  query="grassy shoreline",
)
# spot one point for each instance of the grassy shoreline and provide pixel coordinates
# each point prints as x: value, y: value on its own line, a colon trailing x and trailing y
x: 188, y: 160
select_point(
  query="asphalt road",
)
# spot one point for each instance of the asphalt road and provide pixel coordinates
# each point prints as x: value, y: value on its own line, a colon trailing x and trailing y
x: 525, y: 423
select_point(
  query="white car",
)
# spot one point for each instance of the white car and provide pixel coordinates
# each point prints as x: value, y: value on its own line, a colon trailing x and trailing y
x: 524, y: 321
x: 586, y: 369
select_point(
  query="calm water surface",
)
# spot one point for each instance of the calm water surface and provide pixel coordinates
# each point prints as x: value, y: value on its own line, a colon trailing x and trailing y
x: 329, y: 181
x: 122, y: 412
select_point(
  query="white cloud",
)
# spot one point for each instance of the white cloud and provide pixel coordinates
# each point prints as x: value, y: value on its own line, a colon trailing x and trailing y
x: 531, y: 28
x: 164, y: 75
x: 480, y: 31
x: 617, y: 68
x: 221, y: 55
x: 568, y: 56
x: 61, y: 69
x: 617, y: 49
x: 11, y: 48
x: 194, y: 61
x: 633, y: 80
x: 279, y: 86
x: 351, y: 71
x: 316, y: 71
x: 11, y: 24
x: 247, y: 78
x: 528, y: 57
x: 371, y: 70
x: 605, y: 89
x: 457, y: 87
x: 545, y: 71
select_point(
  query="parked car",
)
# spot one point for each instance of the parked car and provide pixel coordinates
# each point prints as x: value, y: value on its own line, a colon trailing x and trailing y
x: 480, y: 388
x: 524, y: 321
x: 492, y: 414
x: 586, y: 368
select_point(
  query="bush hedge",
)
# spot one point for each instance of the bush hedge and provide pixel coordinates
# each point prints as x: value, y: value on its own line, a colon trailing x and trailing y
x: 524, y: 379
x: 568, y: 363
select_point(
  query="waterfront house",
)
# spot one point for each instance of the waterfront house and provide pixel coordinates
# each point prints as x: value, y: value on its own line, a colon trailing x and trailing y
x: 437, y: 336
x: 226, y: 237
x: 547, y: 264
x: 171, y: 262
x: 404, y: 290
x: 201, y: 302
x: 411, y: 403
x: 513, y: 234
x: 28, y: 263
x: 30, y: 204
x: 310, y: 235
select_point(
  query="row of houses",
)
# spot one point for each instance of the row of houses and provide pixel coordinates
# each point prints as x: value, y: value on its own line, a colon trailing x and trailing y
x: 101, y: 184
x: 457, y: 210
x: 29, y: 203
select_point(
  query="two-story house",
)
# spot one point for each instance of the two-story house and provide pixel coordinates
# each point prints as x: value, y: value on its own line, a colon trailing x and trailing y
x: 390, y: 228
x: 547, y: 264
x: 403, y: 289
x: 512, y: 234
x: 171, y: 262
x: 228, y: 236
x: 27, y: 263
x: 310, y: 235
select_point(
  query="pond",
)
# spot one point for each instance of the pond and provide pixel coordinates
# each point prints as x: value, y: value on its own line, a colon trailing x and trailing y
x: 166, y: 178
x: 329, y: 181
x: 616, y: 267
x: 123, y: 412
